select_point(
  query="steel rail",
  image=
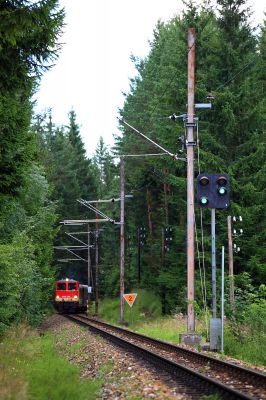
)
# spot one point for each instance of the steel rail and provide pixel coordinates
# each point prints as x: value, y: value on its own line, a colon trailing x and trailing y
x: 245, y: 373
x: 207, y: 385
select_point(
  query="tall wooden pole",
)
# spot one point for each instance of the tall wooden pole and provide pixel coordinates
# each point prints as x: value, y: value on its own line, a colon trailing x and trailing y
x: 97, y: 264
x: 165, y: 189
x: 89, y: 258
x: 122, y: 238
x: 138, y: 239
x: 190, y: 180
x: 163, y: 248
x: 231, y: 260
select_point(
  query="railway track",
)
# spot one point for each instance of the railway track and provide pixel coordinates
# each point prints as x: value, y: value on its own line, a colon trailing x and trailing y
x: 198, y: 374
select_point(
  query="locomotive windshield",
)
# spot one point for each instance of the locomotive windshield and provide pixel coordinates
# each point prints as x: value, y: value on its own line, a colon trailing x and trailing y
x: 61, y: 286
x: 71, y: 286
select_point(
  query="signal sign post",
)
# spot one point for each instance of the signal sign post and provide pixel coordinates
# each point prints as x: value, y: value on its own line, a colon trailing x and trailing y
x: 130, y: 299
x: 213, y: 192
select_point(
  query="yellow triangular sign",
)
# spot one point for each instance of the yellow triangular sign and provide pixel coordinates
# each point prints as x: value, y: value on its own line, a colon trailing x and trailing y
x: 130, y: 298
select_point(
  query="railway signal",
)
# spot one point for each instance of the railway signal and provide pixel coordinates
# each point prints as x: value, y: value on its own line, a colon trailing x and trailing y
x: 168, y: 238
x: 213, y: 191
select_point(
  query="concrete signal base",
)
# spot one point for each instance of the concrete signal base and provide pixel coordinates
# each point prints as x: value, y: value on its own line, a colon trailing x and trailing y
x: 190, y: 339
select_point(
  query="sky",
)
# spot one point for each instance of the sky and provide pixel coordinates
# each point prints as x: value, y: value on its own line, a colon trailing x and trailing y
x: 94, y: 66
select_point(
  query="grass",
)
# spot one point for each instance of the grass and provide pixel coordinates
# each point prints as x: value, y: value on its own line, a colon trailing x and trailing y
x: 147, y: 319
x: 165, y: 329
x: 250, y: 349
x: 32, y: 370
x: 147, y: 306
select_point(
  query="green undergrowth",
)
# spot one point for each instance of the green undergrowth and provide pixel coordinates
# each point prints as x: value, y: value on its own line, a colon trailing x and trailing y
x: 145, y: 317
x: 147, y: 306
x: 249, y: 348
x: 164, y: 329
x: 32, y: 370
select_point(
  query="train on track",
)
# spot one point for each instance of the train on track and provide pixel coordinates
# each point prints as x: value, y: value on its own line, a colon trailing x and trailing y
x: 71, y: 296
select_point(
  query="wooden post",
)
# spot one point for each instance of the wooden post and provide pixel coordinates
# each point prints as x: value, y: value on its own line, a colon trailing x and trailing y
x: 163, y: 248
x: 96, y: 264
x: 190, y: 180
x: 138, y: 240
x: 148, y: 198
x: 166, y: 190
x: 122, y: 238
x: 89, y: 258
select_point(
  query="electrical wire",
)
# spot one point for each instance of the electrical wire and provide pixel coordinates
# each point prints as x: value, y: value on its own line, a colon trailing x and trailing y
x: 203, y: 269
x: 202, y: 280
x: 233, y: 77
x: 94, y: 209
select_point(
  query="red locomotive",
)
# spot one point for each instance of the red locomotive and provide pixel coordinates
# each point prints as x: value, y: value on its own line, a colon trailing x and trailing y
x: 71, y: 296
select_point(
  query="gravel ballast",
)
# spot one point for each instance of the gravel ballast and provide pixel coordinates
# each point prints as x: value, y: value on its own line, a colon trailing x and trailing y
x: 124, y: 376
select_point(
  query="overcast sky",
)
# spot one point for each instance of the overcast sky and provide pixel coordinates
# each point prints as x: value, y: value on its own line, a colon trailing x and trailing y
x: 94, y: 66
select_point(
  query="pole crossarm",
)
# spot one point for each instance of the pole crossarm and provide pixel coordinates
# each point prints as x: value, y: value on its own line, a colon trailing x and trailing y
x: 71, y: 247
x: 94, y: 209
x: 76, y: 255
x: 142, y: 155
x: 72, y: 235
x: 174, y: 156
x: 82, y: 221
x: 112, y: 200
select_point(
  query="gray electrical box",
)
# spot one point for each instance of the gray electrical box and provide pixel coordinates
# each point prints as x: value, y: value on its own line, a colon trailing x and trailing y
x: 215, y: 333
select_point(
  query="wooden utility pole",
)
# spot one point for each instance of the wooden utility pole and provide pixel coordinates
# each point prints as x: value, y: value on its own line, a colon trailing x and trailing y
x: 166, y: 192
x: 89, y: 258
x: 138, y: 240
x: 190, y: 180
x: 163, y: 248
x: 96, y: 263
x: 231, y: 260
x: 148, y: 198
x: 122, y: 238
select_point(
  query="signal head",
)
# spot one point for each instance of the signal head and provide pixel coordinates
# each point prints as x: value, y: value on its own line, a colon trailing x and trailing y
x: 221, y: 191
x: 204, y: 181
x: 204, y: 200
x: 222, y: 181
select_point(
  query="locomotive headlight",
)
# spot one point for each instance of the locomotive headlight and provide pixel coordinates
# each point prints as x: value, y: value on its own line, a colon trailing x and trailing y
x: 75, y: 297
x: 57, y: 297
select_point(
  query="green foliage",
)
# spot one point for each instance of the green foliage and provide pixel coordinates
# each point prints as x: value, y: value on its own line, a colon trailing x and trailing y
x: 23, y: 286
x: 249, y: 308
x: 231, y: 135
x: 245, y: 334
x: 146, y: 307
x: 28, y: 43
x: 71, y: 174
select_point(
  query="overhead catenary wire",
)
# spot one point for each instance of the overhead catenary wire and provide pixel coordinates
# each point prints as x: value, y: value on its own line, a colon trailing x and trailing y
x: 174, y: 156
x: 236, y: 74
x: 73, y: 237
x: 142, y: 155
x: 94, y: 209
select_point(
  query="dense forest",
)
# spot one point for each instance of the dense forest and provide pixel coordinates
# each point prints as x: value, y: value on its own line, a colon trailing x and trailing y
x: 45, y: 169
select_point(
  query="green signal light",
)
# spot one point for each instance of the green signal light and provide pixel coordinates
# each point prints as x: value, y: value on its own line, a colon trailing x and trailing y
x: 204, y: 200
x: 222, y: 191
